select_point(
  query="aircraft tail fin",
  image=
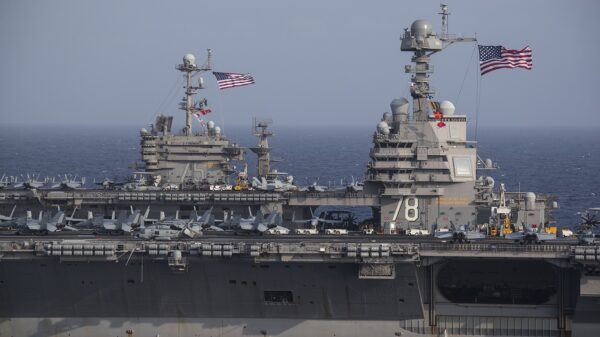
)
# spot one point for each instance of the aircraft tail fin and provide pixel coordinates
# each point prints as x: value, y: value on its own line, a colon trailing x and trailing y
x: 271, y: 218
x: 133, y: 218
x: 126, y: 227
x: 58, y: 218
x: 206, y: 216
x: 258, y: 218
x: 194, y: 216
x: 50, y: 227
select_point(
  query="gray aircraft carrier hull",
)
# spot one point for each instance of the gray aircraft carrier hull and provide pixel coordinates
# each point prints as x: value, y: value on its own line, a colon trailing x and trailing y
x: 208, y: 289
x: 44, y: 298
x: 288, y: 287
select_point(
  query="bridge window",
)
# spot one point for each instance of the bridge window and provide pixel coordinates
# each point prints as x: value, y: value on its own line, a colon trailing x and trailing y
x: 462, y: 167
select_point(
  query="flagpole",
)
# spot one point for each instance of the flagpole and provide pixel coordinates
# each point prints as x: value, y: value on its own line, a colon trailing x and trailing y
x: 477, y: 104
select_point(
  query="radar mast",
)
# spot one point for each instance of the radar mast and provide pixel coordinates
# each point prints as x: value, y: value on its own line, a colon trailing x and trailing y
x: 421, y: 40
x: 190, y: 69
x: 262, y: 150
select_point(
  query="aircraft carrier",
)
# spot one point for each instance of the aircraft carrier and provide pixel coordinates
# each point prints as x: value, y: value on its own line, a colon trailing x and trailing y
x: 485, y: 263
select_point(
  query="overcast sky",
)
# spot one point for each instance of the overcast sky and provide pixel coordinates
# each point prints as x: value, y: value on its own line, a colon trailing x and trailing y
x: 315, y: 62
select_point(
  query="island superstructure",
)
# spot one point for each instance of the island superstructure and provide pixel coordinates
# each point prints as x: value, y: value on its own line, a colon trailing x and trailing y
x: 186, y: 158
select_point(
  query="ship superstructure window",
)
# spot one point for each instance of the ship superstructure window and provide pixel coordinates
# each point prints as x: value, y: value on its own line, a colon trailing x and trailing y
x: 462, y: 167
x: 278, y: 297
x: 454, y: 132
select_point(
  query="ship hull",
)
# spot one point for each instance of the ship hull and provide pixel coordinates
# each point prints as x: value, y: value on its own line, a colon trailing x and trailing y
x: 49, y: 297
x: 143, y: 295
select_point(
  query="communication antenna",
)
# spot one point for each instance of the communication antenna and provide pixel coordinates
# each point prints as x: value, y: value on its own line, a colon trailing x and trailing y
x: 444, y: 15
x: 423, y: 42
x: 446, y: 38
x: 190, y: 69
x: 262, y: 150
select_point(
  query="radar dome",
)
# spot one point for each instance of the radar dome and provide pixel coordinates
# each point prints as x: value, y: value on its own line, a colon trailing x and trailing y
x: 189, y: 60
x: 399, y: 106
x: 383, y: 127
x: 530, y: 200
x: 421, y: 28
x: 387, y: 116
x: 217, y: 130
x: 447, y: 108
x: 211, y: 124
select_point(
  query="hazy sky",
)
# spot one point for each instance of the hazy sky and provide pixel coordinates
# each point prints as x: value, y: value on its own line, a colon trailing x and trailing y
x: 315, y: 62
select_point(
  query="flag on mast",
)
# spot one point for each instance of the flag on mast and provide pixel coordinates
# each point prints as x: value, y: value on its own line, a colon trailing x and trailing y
x: 230, y: 80
x: 496, y: 57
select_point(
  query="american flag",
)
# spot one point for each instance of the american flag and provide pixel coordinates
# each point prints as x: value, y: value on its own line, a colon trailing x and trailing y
x: 230, y: 80
x: 496, y: 57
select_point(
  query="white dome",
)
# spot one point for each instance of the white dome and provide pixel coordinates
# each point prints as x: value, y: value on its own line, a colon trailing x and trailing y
x: 217, y: 130
x: 383, y: 127
x: 211, y: 124
x: 421, y: 28
x: 189, y: 60
x: 447, y: 108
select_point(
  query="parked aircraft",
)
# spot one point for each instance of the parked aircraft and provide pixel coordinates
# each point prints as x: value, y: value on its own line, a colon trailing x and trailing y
x: 314, y: 187
x: 460, y: 234
x: 10, y: 217
x: 109, y: 184
x: 30, y: 183
x: 274, y: 185
x: 530, y: 235
x: 258, y: 225
x: 69, y: 183
x: 41, y: 225
x: 120, y: 225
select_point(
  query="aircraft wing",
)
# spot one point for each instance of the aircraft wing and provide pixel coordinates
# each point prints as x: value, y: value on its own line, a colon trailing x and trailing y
x: 469, y: 235
x: 34, y: 226
x: 212, y: 228
x: 546, y: 236
x: 261, y: 228
x: 515, y: 236
x: 443, y: 235
x: 246, y: 226
x: 8, y: 223
x: 109, y: 226
x: 331, y: 222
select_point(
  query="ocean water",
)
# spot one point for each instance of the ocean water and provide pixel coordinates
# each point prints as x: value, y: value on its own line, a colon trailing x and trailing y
x: 563, y: 163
